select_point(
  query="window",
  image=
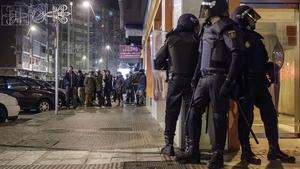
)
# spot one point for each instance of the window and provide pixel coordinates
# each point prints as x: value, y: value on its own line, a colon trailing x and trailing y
x: 43, y: 49
x: 2, y: 84
x: 16, y: 84
x: 32, y: 83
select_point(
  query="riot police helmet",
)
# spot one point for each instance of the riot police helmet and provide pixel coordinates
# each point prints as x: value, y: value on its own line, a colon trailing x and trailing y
x: 210, y: 8
x: 246, y: 17
x: 188, y: 22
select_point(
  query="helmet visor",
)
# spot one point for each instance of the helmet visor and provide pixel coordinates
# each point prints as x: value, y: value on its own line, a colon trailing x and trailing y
x: 205, y: 9
x: 251, y: 14
x: 204, y: 12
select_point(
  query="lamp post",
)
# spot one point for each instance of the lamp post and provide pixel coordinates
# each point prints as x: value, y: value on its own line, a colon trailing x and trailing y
x: 56, y: 66
x: 107, y: 50
x: 87, y: 4
x: 31, y: 29
x: 68, y: 43
x: 40, y: 14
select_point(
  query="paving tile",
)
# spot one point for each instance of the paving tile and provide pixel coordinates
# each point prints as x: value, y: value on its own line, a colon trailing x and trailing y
x: 119, y: 160
x: 75, y: 154
x: 72, y: 161
x: 54, y: 155
x: 4, y: 162
x: 47, y: 162
x: 95, y: 155
x: 99, y: 161
x: 27, y: 158
x: 10, y: 155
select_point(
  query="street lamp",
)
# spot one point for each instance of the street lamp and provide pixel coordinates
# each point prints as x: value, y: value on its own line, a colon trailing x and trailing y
x: 69, y: 36
x: 86, y: 4
x: 31, y: 29
x: 100, y: 60
x: 107, y: 49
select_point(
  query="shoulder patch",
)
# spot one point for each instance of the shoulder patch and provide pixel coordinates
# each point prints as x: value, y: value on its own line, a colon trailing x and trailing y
x: 247, y: 44
x: 232, y: 34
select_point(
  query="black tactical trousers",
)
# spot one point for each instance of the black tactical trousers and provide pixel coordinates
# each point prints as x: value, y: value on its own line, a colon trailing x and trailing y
x: 207, y: 91
x: 179, y: 89
x: 107, y: 94
x: 258, y: 95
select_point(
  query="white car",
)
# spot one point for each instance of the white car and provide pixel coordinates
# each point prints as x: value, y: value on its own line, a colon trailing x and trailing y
x: 9, y: 108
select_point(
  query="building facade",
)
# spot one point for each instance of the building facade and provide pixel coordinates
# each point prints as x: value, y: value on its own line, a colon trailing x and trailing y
x: 279, y: 26
x: 30, y: 52
x: 84, y: 39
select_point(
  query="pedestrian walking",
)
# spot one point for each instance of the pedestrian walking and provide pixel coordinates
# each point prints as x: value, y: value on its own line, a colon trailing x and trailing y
x: 141, y: 90
x: 129, y: 89
x: 119, y: 86
x: 90, y: 85
x: 70, y: 83
x: 80, y: 85
x: 99, y: 88
x: 108, y: 87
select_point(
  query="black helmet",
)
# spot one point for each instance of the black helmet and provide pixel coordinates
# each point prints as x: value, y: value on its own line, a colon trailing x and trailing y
x: 189, y: 22
x: 142, y: 70
x: 245, y: 16
x: 211, y: 8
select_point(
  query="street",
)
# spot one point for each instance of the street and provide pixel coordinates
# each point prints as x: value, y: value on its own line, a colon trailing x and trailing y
x: 102, y: 138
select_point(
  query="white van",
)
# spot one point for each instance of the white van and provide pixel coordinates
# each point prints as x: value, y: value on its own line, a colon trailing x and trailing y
x: 9, y: 108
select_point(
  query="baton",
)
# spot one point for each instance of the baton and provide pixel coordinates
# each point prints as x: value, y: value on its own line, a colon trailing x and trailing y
x: 246, y: 120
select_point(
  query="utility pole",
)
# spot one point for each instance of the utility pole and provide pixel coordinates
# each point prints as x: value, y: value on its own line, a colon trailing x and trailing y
x: 88, y: 42
x: 68, y: 42
x: 56, y: 66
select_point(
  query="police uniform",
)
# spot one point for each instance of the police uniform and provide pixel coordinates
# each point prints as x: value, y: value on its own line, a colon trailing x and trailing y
x: 219, y: 64
x: 254, y: 89
x: 179, y: 55
x: 257, y: 94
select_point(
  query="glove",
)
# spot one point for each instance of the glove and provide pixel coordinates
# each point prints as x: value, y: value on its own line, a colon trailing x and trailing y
x: 225, y: 88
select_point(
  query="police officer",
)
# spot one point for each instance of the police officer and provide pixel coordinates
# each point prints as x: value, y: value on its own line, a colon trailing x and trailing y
x: 179, y: 55
x: 256, y: 91
x: 217, y: 68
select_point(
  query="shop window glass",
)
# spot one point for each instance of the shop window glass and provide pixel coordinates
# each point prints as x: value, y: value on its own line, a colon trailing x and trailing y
x: 279, y: 29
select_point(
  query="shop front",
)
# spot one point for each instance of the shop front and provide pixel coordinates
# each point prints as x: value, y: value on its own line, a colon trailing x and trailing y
x: 280, y: 27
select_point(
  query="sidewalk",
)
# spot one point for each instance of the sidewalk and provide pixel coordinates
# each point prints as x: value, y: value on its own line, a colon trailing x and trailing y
x: 113, y: 138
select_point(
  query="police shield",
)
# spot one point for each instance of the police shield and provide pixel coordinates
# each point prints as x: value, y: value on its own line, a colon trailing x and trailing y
x: 278, y: 55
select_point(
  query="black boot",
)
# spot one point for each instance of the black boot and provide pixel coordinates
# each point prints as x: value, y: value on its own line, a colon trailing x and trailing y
x: 191, y: 154
x: 248, y: 156
x: 276, y: 154
x: 168, y: 149
x: 216, y: 161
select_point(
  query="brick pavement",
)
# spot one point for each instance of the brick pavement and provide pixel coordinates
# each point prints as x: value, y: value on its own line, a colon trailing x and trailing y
x: 102, y: 138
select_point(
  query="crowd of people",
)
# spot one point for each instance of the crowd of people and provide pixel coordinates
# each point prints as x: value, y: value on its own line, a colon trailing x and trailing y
x: 101, y: 88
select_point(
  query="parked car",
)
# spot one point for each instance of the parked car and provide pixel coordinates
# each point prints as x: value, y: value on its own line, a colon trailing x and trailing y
x: 29, y: 96
x: 40, y: 84
x: 9, y: 108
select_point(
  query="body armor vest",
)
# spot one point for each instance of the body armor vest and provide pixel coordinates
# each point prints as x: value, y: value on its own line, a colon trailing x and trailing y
x: 183, y: 52
x: 215, y: 56
x: 256, y: 55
